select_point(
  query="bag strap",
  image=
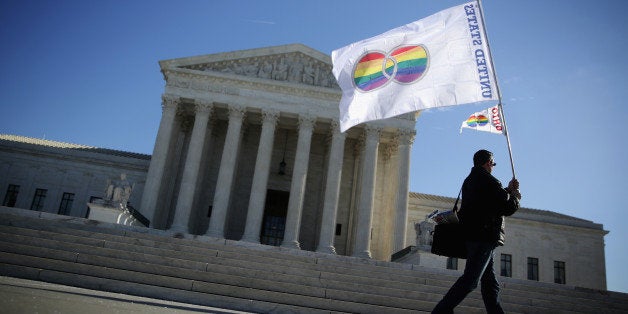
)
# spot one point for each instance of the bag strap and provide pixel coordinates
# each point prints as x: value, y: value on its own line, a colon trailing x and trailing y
x: 456, y: 210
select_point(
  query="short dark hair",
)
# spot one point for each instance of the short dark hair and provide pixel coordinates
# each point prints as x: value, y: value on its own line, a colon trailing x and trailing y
x: 481, y: 157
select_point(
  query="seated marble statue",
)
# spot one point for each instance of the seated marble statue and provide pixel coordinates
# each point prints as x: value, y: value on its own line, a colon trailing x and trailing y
x: 424, y: 233
x: 118, y: 192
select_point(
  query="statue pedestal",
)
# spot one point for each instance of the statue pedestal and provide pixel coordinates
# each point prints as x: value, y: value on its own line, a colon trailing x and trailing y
x: 427, y: 259
x: 108, y: 213
x: 422, y: 256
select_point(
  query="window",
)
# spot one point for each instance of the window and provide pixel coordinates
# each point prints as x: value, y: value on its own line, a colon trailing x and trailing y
x: 452, y: 263
x: 559, y: 272
x: 338, y: 229
x: 533, y: 268
x: 11, y: 197
x: 38, y: 199
x: 506, y: 265
x: 66, y: 203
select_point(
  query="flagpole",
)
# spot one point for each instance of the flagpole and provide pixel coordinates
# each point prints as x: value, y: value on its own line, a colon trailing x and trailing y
x: 499, y: 93
x: 512, y: 164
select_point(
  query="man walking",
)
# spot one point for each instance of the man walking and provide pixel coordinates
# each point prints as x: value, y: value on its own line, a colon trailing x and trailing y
x: 484, y: 204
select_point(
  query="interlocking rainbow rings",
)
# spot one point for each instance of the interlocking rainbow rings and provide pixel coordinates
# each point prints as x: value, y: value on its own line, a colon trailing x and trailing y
x: 404, y: 65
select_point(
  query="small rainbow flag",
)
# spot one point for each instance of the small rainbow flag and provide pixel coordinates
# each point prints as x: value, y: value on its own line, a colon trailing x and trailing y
x: 488, y: 120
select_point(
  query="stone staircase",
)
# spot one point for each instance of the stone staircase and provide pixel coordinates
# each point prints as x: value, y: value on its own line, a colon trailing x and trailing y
x: 246, y: 277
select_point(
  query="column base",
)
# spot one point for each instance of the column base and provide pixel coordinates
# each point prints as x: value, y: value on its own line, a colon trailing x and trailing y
x: 179, y: 229
x: 250, y: 239
x: 363, y: 254
x: 215, y: 234
x: 327, y: 249
x: 291, y: 245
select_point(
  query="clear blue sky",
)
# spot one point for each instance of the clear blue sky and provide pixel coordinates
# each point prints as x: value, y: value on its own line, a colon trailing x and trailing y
x: 86, y: 72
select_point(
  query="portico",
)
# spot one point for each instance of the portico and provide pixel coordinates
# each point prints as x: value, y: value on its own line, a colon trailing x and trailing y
x: 228, y: 121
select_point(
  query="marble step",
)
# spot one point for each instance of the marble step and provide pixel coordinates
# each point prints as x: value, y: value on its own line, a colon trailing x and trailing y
x: 84, y: 253
x: 343, y: 265
x: 287, y: 284
x: 152, y: 291
x: 345, y: 278
x: 73, y: 273
x: 254, y: 268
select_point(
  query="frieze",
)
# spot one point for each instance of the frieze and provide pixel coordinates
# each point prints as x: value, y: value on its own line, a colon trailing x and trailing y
x: 191, y: 82
x: 225, y: 85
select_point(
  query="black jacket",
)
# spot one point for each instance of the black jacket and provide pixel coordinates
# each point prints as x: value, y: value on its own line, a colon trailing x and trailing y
x: 484, y: 204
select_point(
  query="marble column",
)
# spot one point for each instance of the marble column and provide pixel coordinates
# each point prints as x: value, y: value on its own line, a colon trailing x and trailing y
x: 297, y: 187
x: 157, y: 166
x: 174, y: 167
x: 257, y: 200
x: 187, y: 189
x: 405, y: 139
x: 332, y: 190
x: 226, y: 173
x: 362, y: 244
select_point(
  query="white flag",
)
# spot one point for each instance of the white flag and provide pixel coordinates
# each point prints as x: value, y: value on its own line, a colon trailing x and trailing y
x: 487, y: 120
x: 441, y: 60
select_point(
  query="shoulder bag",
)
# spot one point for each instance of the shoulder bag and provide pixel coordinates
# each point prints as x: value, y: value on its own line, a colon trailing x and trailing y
x: 448, y: 238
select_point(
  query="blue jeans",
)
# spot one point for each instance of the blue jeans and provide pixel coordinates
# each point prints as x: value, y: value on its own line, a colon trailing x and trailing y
x: 478, y: 269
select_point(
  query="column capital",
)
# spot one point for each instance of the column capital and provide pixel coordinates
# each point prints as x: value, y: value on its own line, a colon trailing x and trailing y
x: 270, y: 116
x: 405, y: 136
x: 372, y: 133
x: 389, y: 150
x: 169, y: 101
x: 307, y: 121
x: 334, y: 129
x: 203, y: 106
x: 237, y: 112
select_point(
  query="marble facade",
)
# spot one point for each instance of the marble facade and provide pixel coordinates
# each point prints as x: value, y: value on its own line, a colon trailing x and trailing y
x: 230, y: 119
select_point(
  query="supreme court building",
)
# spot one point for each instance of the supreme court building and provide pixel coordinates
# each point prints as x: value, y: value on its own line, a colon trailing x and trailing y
x: 248, y: 149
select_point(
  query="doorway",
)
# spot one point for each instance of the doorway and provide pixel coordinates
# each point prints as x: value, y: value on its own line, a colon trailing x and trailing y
x: 274, y: 223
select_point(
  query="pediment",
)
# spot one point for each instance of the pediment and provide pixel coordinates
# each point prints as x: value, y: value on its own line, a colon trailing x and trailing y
x: 290, y: 63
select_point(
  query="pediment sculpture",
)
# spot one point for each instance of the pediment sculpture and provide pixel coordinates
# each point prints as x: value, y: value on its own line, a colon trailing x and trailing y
x: 294, y: 67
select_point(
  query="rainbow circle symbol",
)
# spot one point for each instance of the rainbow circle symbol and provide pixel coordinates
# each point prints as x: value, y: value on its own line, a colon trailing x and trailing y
x: 475, y: 121
x: 404, y: 65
